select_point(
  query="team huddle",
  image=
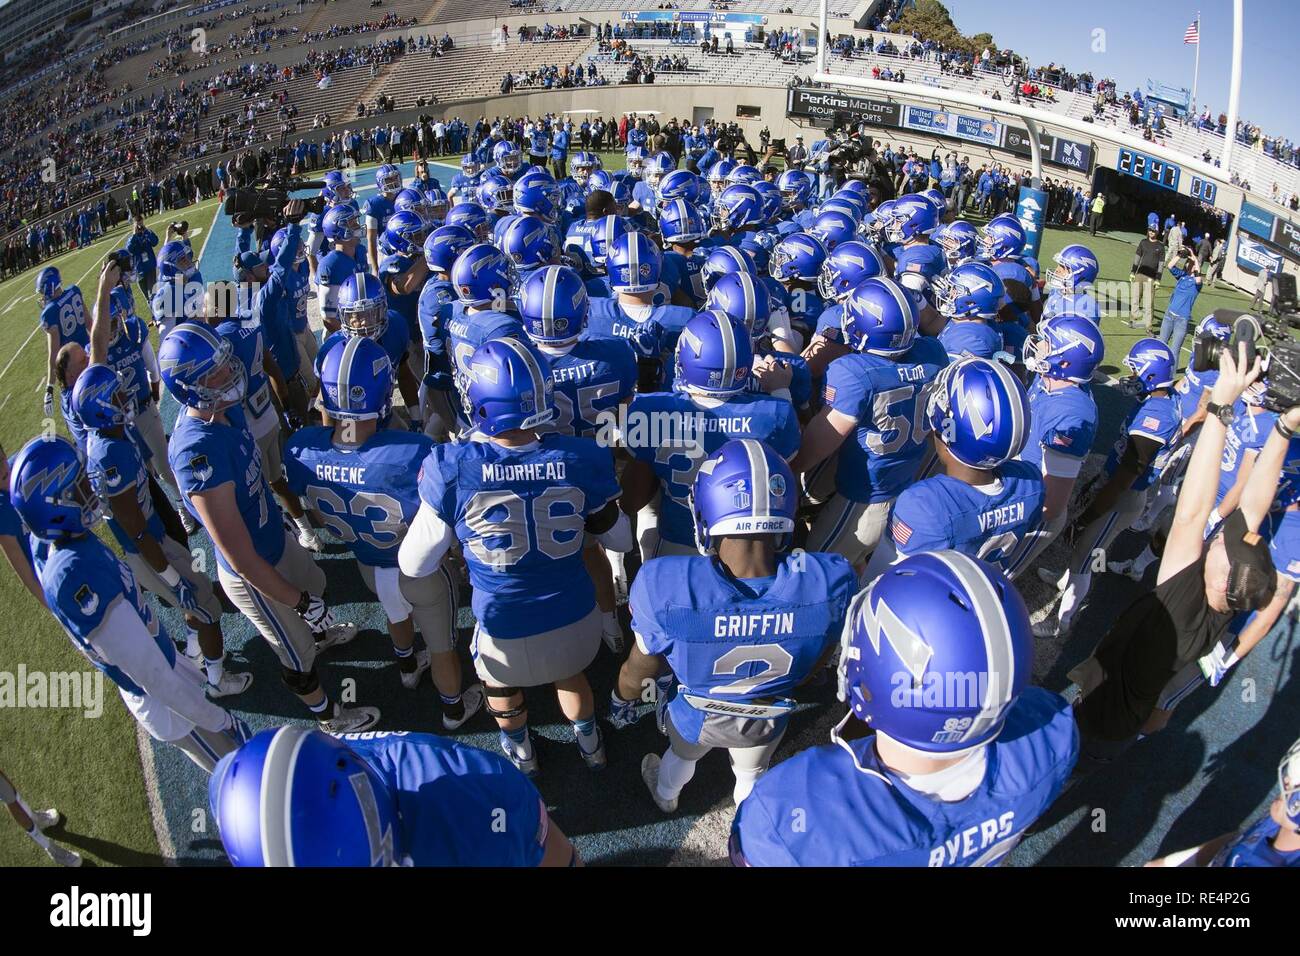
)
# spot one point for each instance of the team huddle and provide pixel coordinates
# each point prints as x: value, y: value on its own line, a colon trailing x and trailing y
x: 799, y: 440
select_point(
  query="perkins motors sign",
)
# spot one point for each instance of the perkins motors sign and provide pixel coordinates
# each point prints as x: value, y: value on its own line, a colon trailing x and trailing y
x: 824, y: 104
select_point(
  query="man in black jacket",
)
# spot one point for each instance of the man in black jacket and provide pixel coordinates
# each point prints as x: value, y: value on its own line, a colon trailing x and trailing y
x: 1144, y: 276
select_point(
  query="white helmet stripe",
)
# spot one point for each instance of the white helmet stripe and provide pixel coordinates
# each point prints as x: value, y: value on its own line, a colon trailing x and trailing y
x: 538, y: 380
x: 760, y: 480
x: 633, y: 261
x: 999, y: 655
x: 276, y: 796
x: 345, y: 374
x: 728, y: 350
x: 548, y: 301
x: 1011, y: 386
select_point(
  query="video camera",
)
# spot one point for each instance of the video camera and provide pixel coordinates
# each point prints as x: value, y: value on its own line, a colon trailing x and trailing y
x: 1260, y: 336
x: 266, y: 200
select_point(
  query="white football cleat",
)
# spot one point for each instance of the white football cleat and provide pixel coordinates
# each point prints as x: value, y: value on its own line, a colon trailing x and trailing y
x: 650, y: 775
x: 1054, y: 578
x: 524, y: 757
x: 336, y: 635
x: 187, y: 521
x: 63, y: 856
x: 411, y: 679
x: 612, y: 634
x: 309, y: 539
x: 44, y: 819
x: 595, y: 760
x: 1127, y: 568
x: 230, y: 685
x: 472, y: 698
x: 350, y: 720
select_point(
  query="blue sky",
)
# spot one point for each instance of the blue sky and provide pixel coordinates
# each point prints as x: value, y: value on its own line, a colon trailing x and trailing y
x: 1144, y: 40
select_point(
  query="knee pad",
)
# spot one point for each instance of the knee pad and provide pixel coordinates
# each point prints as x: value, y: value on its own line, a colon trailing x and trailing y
x: 505, y: 693
x: 301, y: 683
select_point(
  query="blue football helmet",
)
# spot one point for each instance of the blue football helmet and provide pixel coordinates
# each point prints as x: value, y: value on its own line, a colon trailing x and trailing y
x: 470, y: 215
x: 937, y: 199
x: 849, y: 265
x: 724, y: 260
x: 51, y: 491
x: 1152, y: 363
x: 414, y: 200
x: 176, y: 259
x: 873, y: 227
x: 636, y: 159
x: 980, y: 411
x: 1288, y: 779
x: 957, y: 240
x: 657, y: 167
x: 341, y: 224
x: 363, y: 306
x: 744, y: 173
x: 681, y: 222
x: 470, y: 166
x: 444, y: 245
x: 1076, y: 266
x: 604, y: 234
x: 880, y: 318
x: 743, y: 488
x: 583, y: 165
x: 742, y: 297
x: 797, y: 256
x: 678, y: 184
x: 438, y: 204
x: 553, y: 307
x: 971, y: 289
x: 337, y: 188
x: 510, y: 387
x: 718, y: 174
x: 796, y: 188
x: 280, y: 238
x: 531, y: 242
x: 1066, y: 346
x: 356, y: 379
x: 853, y: 200
x: 771, y: 199
x: 484, y: 275
x: 48, y: 282
x: 714, y: 355
x: 738, y: 206
x: 537, y: 197
x: 1213, y: 326
x: 935, y: 653
x: 295, y: 796
x: 1001, y: 238
x: 913, y: 217
x: 633, y: 263
x: 600, y: 179
x: 496, y: 192
x: 388, y: 178
x: 100, y: 397
x: 832, y: 227
x: 502, y: 226
x: 405, y: 232
x: 200, y: 368
x: 507, y: 157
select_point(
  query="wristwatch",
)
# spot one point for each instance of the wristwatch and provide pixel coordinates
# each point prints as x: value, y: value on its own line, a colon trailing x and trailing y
x: 1223, y: 413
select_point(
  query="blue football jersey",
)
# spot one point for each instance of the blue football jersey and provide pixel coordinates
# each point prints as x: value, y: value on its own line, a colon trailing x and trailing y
x: 206, y: 455
x: 1156, y: 418
x: 377, y: 210
x: 1079, y: 303
x: 451, y: 799
x: 661, y: 326
x: 962, y: 337
x: 250, y: 345
x: 806, y: 306
x: 67, y: 313
x: 922, y: 259
x: 72, y: 420
x: 116, y: 466
x: 1064, y: 420
x: 82, y: 579
x: 433, y: 313
x: 466, y: 331
x: 734, y: 642
x: 1249, y: 432
x: 990, y: 522
x: 1013, y: 271
x: 1191, y: 387
x: 858, y: 812
x: 406, y: 304
x: 520, y: 514
x: 1255, y: 848
x: 674, y: 435
x: 11, y: 523
x: 126, y: 355
x: 365, y: 495
x: 596, y: 375
x: 830, y: 323
x: 689, y: 270
x: 886, y: 398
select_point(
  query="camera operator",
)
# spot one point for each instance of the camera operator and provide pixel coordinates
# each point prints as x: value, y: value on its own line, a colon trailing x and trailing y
x: 1202, y: 585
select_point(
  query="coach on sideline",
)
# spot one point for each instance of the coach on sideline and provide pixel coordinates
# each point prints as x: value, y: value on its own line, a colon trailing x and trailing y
x: 1201, y: 586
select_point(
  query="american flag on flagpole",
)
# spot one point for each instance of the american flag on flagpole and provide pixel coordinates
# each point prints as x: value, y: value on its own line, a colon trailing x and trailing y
x: 1193, y: 34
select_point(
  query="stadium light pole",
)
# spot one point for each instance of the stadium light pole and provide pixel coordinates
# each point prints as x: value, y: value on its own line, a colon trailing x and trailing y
x: 1234, y: 91
x: 822, y: 30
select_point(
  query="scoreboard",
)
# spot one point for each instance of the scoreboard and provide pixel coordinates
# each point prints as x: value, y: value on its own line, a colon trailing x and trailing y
x: 1153, y: 170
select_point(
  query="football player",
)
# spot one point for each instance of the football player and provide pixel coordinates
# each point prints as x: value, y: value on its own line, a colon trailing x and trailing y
x: 969, y: 297
x: 779, y: 373
x: 909, y: 228
x: 342, y: 229
x: 521, y: 506
x: 958, y: 240
x: 178, y: 296
x: 796, y: 197
x: 851, y: 264
x: 947, y: 754
x: 380, y: 206
x: 438, y: 398
x: 268, y: 575
x: 1071, y: 284
x: 1129, y: 471
x: 1001, y: 242
x: 875, y: 397
x: 684, y: 230
x: 35, y: 822
x: 297, y: 797
x: 63, y: 316
x: 1063, y: 354
x: 280, y: 309
x: 796, y: 263
x: 360, y: 479
x: 669, y: 434
x: 464, y: 185
x: 740, y: 627
x: 93, y: 595
x: 15, y: 540
x: 485, y: 282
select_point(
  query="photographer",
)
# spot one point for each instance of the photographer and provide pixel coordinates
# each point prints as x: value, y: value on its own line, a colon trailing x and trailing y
x: 1201, y: 585
x: 1186, y: 270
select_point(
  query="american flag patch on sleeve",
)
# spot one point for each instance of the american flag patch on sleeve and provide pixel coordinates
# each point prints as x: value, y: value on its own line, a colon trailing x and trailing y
x: 1065, y: 441
x: 902, y: 531
x: 1150, y: 422
x: 830, y: 394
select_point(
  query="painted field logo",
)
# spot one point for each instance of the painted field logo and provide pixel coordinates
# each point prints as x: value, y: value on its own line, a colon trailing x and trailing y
x: 76, y: 909
x: 64, y: 690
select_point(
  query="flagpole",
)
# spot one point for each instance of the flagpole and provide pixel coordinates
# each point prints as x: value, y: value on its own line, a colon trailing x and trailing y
x: 1196, y: 75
